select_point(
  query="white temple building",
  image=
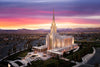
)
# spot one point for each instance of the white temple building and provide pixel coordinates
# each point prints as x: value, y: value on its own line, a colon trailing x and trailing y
x: 57, y: 43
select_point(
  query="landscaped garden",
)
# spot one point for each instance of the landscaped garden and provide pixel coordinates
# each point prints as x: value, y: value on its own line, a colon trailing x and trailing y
x: 4, y: 62
x: 51, y: 63
x: 77, y: 56
x: 17, y: 55
x: 95, y: 44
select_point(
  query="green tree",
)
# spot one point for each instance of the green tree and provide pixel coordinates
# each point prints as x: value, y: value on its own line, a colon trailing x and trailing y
x: 14, y: 48
x: 9, y: 52
x: 64, y: 54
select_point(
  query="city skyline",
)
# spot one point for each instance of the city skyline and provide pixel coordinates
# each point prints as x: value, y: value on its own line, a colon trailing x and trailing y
x: 37, y: 14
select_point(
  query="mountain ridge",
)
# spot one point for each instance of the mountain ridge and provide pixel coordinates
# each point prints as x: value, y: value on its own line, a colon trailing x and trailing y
x: 28, y: 31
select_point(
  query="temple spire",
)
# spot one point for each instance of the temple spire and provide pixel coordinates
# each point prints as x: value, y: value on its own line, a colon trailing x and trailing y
x: 53, y: 26
x: 53, y: 17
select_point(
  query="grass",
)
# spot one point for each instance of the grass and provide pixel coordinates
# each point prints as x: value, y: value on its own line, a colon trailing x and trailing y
x: 77, y: 56
x: 51, y: 63
x: 4, y: 63
x: 95, y: 44
x: 19, y: 54
x: 85, y: 48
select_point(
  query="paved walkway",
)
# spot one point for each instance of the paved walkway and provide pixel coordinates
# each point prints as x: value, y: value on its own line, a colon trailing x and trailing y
x: 31, y: 56
x: 96, y: 58
x: 88, y: 60
x: 85, y: 59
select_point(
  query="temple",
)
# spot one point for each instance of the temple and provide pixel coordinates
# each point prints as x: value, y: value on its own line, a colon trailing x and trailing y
x: 57, y: 43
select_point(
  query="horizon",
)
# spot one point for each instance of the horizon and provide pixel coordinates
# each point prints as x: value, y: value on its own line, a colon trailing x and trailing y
x: 38, y: 14
x: 49, y: 29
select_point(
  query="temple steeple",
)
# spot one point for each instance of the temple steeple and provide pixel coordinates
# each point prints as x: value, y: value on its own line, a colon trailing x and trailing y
x: 53, y: 26
x: 53, y: 17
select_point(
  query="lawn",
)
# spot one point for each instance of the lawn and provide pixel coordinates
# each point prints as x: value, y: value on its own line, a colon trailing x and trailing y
x: 77, y: 56
x: 4, y: 63
x: 51, y: 63
x: 17, y: 55
x: 95, y: 44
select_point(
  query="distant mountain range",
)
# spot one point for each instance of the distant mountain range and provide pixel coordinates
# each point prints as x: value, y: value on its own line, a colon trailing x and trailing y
x: 27, y: 31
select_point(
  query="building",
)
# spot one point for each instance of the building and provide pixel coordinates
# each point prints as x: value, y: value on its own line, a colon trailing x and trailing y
x: 57, y: 43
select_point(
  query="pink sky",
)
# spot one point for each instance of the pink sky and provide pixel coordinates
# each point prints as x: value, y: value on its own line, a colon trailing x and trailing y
x: 38, y: 15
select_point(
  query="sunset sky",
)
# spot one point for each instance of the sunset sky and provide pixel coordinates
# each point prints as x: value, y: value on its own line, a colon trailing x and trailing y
x: 37, y: 14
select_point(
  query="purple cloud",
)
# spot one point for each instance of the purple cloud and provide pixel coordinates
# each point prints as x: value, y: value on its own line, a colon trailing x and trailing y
x: 33, y: 9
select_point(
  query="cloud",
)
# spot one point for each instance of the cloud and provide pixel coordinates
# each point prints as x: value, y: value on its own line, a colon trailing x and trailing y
x: 73, y: 11
x: 69, y: 8
x: 34, y: 1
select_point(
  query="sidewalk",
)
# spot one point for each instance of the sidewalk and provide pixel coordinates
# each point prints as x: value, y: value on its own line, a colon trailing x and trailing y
x: 86, y: 58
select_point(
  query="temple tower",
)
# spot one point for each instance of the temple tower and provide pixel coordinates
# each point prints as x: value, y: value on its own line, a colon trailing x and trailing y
x: 53, y: 26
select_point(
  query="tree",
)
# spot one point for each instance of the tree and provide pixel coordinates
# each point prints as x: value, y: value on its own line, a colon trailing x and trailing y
x: 19, y: 49
x: 96, y: 65
x: 14, y: 48
x: 64, y: 54
x: 29, y: 47
x: 57, y: 57
x: 9, y: 52
x: 25, y: 46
